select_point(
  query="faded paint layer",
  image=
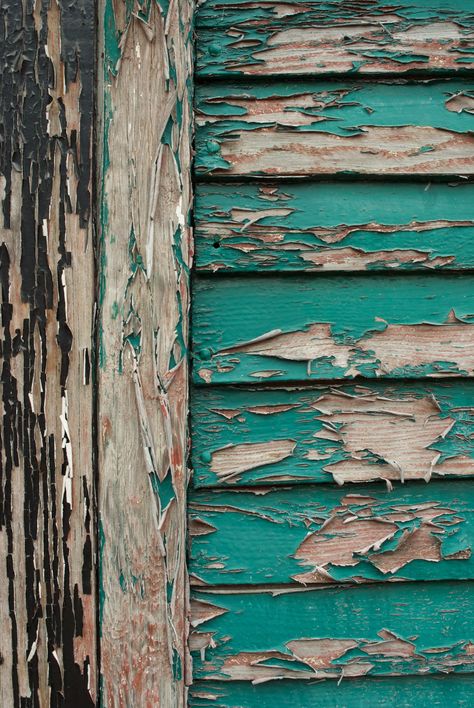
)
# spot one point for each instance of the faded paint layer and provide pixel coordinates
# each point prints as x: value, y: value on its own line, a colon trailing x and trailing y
x: 325, y: 535
x: 325, y: 128
x: 47, y: 499
x: 334, y: 226
x: 322, y: 328
x: 237, y: 37
x: 362, y: 433
x: 145, y: 257
x: 337, y: 633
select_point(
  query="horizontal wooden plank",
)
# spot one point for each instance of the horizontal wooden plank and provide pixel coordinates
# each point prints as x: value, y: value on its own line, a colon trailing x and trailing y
x: 312, y: 37
x: 344, y: 433
x: 328, y: 535
x: 402, y: 691
x: 334, y: 226
x: 396, y: 629
x: 325, y: 128
x: 306, y: 327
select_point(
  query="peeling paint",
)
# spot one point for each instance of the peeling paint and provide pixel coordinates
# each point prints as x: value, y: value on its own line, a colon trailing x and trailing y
x: 416, y: 629
x: 344, y: 433
x: 236, y: 37
x: 326, y: 535
x: 326, y: 128
x: 47, y: 500
x: 145, y: 259
x: 334, y: 226
x: 332, y: 328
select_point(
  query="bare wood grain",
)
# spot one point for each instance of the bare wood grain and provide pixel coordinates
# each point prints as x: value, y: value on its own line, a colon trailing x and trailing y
x: 144, y: 298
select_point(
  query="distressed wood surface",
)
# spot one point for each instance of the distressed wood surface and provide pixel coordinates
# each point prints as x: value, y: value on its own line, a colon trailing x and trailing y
x: 145, y: 256
x: 406, y: 691
x: 47, y: 498
x: 339, y: 433
x: 334, y: 226
x: 327, y: 128
x: 333, y: 633
x: 328, y: 328
x: 328, y: 535
x: 237, y: 37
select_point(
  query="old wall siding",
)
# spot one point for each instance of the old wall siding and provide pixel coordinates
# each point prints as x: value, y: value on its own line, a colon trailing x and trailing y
x: 331, y: 514
x: 47, y: 498
x: 145, y: 257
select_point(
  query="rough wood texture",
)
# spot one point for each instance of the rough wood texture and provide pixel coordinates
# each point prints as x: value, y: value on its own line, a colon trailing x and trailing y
x: 348, y: 433
x: 144, y: 277
x: 47, y: 500
x: 405, y: 692
x: 325, y: 128
x: 237, y: 37
x: 333, y: 633
x: 327, y: 535
x: 334, y: 226
x: 327, y: 328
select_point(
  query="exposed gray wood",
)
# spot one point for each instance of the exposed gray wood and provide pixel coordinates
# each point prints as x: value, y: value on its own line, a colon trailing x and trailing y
x: 143, y: 367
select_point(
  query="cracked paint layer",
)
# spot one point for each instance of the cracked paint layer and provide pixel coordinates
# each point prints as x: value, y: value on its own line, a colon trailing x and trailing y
x: 324, y: 128
x: 449, y: 689
x: 48, y: 642
x: 327, y: 535
x: 338, y: 633
x: 341, y: 433
x: 334, y: 226
x: 330, y: 328
x: 145, y: 259
x: 238, y: 37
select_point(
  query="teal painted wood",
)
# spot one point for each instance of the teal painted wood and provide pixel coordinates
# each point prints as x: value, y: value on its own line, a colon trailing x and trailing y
x: 402, y: 691
x: 307, y: 328
x: 327, y: 128
x: 400, y: 628
x: 326, y: 535
x: 334, y: 226
x: 339, y: 433
x: 236, y: 37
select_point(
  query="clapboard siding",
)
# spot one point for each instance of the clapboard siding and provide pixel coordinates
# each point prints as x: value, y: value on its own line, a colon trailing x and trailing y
x: 331, y: 519
x: 305, y: 328
x: 304, y: 38
x: 327, y: 128
x: 333, y: 633
x: 405, y: 692
x: 332, y: 535
x: 334, y: 226
x: 333, y: 433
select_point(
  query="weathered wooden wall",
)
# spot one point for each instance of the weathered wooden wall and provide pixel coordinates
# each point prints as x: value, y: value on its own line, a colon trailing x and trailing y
x: 47, y: 497
x: 332, y: 510
x: 145, y: 256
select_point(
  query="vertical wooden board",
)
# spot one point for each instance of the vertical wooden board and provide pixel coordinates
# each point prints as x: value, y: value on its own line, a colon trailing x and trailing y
x: 405, y: 692
x: 327, y: 535
x: 308, y: 327
x: 334, y: 226
x: 341, y: 433
x: 301, y: 129
x: 47, y: 499
x: 333, y: 633
x: 290, y: 38
x: 145, y: 257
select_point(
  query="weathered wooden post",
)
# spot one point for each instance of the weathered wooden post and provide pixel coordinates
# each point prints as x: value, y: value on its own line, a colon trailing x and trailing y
x: 47, y: 544
x: 144, y: 262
